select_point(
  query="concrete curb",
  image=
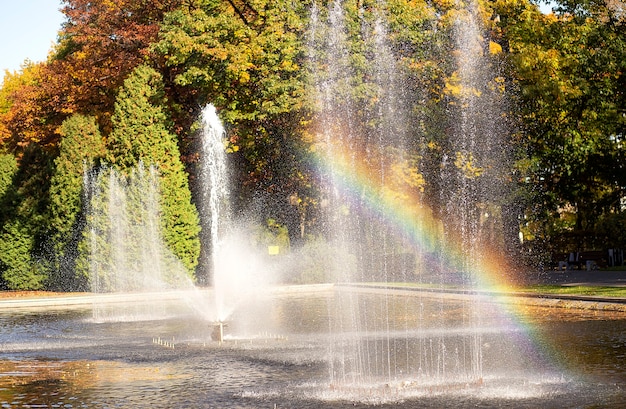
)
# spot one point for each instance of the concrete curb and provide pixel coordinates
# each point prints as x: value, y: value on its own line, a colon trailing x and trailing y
x: 87, y: 299
x: 544, y: 300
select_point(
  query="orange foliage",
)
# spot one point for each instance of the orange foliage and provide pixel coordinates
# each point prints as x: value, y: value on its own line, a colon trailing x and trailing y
x: 101, y: 42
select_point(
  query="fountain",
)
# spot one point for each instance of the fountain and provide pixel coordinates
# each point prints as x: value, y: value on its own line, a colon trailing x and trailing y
x: 126, y: 251
x: 215, y: 205
x: 239, y: 276
x: 368, y: 175
x: 368, y: 339
x: 366, y: 168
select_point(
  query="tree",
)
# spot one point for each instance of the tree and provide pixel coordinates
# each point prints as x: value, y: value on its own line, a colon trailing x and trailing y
x: 15, y: 242
x: 21, y: 119
x: 19, y: 272
x: 570, y: 70
x: 80, y: 150
x: 8, y: 168
x: 100, y: 43
x: 22, y: 232
x: 141, y: 134
x: 247, y: 59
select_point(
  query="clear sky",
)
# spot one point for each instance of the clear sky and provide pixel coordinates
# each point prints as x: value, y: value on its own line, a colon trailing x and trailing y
x: 28, y: 29
x: 546, y: 8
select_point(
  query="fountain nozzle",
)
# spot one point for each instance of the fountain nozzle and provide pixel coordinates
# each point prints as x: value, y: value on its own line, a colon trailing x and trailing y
x: 218, y: 331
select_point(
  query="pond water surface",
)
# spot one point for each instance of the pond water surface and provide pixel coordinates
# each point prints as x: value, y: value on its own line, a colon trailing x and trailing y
x: 293, y: 353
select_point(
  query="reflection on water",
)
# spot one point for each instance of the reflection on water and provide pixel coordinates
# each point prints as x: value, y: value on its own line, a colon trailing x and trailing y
x: 590, y: 343
x: 280, y: 353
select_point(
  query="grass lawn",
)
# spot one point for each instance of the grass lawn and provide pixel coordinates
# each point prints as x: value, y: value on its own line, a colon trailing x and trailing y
x: 538, y: 289
x: 576, y: 290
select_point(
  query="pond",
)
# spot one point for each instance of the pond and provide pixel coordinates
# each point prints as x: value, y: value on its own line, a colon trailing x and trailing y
x: 311, y: 351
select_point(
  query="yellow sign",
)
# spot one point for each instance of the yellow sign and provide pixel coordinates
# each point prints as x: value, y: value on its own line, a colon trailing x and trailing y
x: 273, y: 250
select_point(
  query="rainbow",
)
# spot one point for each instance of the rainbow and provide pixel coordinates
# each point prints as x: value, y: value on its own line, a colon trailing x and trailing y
x: 400, y: 207
x: 402, y: 210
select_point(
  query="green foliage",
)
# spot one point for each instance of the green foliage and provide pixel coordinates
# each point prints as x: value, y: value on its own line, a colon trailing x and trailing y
x: 8, y: 169
x: 272, y: 234
x: 249, y: 63
x: 251, y: 59
x: 611, y: 226
x: 123, y: 248
x: 24, y: 203
x: 246, y: 62
x: 141, y: 134
x: 80, y: 150
x: 570, y: 70
x: 139, y: 120
x: 18, y: 270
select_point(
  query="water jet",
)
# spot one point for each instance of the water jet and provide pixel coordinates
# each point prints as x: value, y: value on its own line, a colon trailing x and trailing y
x: 358, y: 344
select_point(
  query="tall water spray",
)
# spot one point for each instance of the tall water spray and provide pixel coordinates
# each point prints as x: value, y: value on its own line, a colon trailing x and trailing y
x: 368, y: 133
x: 353, y: 141
x: 125, y: 250
x: 468, y: 140
x: 237, y: 275
x: 125, y: 245
x: 215, y: 199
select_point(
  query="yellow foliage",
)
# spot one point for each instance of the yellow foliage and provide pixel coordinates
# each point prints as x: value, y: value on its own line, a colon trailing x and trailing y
x: 498, y: 84
x: 244, y: 77
x: 408, y: 175
x: 232, y: 148
x: 465, y: 161
x: 455, y: 87
x: 494, y: 48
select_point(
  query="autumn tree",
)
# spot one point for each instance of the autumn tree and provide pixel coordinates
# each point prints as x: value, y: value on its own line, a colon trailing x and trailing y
x: 570, y: 70
x: 100, y: 43
x: 247, y: 59
x: 22, y: 118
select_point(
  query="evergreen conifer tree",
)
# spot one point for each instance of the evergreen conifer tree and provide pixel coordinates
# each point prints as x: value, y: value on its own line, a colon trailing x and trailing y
x: 80, y: 150
x: 22, y: 205
x: 8, y: 168
x: 141, y: 133
x: 19, y: 272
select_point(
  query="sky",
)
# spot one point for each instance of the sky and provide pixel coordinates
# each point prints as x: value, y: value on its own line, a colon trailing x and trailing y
x: 28, y: 30
x: 546, y: 8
